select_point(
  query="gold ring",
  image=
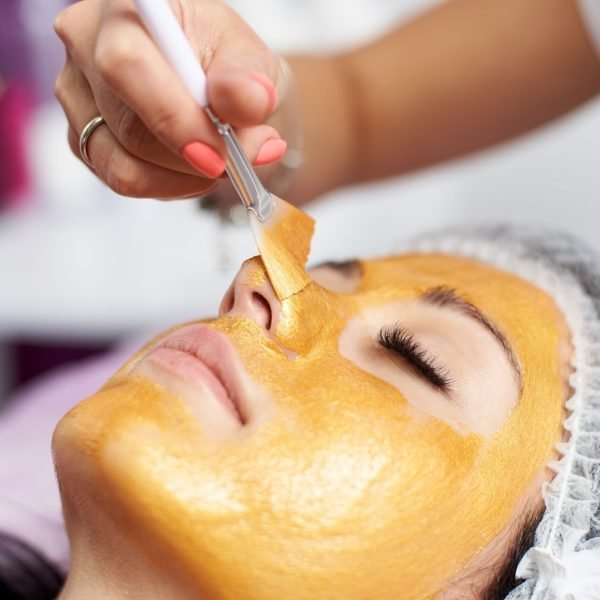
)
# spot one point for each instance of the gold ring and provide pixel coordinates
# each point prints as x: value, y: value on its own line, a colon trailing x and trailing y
x: 85, y: 136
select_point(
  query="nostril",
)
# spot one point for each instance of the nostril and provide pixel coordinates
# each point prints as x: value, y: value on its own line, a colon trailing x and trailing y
x: 264, y: 306
x: 228, y: 301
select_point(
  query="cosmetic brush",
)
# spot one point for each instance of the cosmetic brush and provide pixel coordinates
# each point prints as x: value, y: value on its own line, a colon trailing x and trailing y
x: 282, y: 232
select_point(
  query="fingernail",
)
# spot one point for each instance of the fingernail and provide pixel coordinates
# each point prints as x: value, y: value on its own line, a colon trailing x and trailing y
x: 271, y: 150
x: 268, y: 87
x: 204, y: 159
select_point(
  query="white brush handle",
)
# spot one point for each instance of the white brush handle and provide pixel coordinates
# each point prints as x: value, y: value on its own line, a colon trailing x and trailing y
x: 159, y: 19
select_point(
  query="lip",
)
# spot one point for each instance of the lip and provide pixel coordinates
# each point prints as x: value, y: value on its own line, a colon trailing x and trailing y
x: 205, y: 358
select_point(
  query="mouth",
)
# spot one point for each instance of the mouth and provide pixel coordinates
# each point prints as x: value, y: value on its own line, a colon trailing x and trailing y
x: 204, y: 359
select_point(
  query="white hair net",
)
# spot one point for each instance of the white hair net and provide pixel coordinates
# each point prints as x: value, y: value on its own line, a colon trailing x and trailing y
x: 564, y: 563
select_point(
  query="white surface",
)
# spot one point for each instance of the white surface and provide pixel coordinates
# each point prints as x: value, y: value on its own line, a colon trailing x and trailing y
x: 318, y: 25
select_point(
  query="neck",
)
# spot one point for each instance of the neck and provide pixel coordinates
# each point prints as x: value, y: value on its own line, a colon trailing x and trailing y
x: 114, y: 562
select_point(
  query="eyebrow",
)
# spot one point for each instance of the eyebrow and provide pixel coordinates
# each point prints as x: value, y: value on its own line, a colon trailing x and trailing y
x: 444, y: 297
x: 347, y: 268
x: 449, y: 298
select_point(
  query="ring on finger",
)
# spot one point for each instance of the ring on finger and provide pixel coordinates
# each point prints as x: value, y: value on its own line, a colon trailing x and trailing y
x: 85, y: 136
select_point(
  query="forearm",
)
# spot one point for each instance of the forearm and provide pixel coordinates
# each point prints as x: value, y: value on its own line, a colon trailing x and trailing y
x: 325, y: 117
x: 469, y: 74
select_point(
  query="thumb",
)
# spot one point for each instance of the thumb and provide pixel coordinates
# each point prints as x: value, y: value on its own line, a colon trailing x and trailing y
x: 241, y: 80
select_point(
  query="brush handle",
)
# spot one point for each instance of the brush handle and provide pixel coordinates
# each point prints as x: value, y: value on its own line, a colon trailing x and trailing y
x: 159, y: 19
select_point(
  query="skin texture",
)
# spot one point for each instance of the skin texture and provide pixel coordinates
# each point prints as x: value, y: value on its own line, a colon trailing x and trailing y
x: 340, y: 484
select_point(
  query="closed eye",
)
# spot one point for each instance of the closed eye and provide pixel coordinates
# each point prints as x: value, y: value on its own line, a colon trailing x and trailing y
x: 403, y: 344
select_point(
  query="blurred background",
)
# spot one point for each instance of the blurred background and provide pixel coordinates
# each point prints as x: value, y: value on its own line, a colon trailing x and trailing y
x: 83, y: 270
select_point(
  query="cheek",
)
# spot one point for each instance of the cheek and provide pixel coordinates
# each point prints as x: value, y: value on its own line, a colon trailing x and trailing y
x: 340, y: 476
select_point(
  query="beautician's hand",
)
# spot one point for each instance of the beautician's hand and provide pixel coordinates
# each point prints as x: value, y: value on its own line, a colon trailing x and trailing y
x: 157, y: 141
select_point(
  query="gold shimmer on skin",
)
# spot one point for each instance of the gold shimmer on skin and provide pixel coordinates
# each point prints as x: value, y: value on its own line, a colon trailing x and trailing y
x: 284, y: 244
x: 256, y: 278
x: 341, y: 493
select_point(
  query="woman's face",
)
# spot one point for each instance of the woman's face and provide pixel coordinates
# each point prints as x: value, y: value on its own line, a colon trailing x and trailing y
x: 367, y: 436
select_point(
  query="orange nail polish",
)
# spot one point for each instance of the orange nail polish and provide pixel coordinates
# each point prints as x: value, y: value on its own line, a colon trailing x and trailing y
x: 270, y: 151
x: 204, y: 159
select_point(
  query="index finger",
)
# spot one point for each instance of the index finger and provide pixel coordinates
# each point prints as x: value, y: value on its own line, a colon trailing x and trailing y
x: 132, y: 67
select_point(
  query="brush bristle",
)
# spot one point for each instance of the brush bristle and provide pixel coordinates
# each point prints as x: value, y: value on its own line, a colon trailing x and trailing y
x: 284, y: 244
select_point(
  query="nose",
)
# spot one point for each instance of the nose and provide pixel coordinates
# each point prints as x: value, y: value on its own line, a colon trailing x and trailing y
x: 252, y: 296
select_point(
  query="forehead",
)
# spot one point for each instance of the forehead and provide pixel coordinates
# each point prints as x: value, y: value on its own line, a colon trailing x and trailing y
x: 426, y: 270
x: 410, y: 275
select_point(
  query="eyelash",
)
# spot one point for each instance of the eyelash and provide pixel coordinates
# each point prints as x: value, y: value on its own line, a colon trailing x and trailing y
x: 402, y: 343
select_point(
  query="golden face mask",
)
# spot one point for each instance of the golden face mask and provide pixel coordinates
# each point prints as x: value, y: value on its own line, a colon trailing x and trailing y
x: 337, y: 486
